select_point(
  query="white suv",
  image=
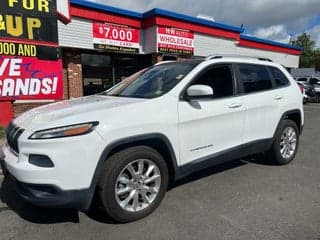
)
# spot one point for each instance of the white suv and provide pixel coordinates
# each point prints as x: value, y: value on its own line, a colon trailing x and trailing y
x: 159, y: 125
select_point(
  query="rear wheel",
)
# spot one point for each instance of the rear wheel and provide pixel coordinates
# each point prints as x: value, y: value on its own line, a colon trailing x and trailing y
x: 285, y: 145
x: 133, y: 184
x: 305, y: 100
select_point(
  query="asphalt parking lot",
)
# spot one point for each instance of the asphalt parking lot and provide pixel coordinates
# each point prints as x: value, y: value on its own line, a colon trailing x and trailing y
x: 245, y: 199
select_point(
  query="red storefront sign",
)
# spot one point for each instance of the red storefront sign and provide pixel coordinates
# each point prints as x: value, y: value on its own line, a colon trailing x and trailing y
x: 30, y: 67
x: 176, y: 41
x: 116, y: 38
x: 24, y: 78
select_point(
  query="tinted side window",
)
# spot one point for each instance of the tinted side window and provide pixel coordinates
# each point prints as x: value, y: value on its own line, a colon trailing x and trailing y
x: 302, y: 79
x: 220, y: 79
x: 279, y: 78
x: 314, y: 81
x: 254, y: 78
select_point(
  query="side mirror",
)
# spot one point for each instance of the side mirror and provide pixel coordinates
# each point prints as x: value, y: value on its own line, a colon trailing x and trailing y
x: 199, y: 91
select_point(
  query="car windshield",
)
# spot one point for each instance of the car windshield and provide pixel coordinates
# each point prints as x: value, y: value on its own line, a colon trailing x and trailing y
x: 153, y: 81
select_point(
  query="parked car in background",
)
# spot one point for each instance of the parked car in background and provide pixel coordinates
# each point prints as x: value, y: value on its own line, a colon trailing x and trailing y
x: 311, y: 86
x: 306, y: 97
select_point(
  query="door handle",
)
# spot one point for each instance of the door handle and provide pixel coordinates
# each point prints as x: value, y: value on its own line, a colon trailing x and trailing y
x: 235, y: 105
x: 278, y: 97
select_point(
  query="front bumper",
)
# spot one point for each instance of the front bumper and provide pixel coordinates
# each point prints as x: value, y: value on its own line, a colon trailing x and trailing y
x: 49, y: 195
x: 74, y: 160
x: 68, y: 183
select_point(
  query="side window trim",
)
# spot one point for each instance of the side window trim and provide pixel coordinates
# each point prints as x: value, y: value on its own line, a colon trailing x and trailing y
x: 203, y: 71
x: 273, y: 81
x: 236, y: 81
x: 239, y: 82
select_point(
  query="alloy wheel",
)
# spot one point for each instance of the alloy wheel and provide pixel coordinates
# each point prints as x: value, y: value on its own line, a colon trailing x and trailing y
x: 288, y: 142
x: 137, y: 185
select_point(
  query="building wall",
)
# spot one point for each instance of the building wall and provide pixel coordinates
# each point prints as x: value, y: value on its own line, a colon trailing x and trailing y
x: 73, y: 83
x: 150, y: 40
x: 78, y: 33
x: 287, y: 60
x: 205, y: 45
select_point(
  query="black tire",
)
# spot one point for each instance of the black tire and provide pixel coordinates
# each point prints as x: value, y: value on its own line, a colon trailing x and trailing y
x: 305, y: 100
x: 114, y: 166
x: 274, y: 155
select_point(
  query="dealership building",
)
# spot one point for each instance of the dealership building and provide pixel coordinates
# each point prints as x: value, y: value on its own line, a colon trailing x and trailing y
x: 102, y: 45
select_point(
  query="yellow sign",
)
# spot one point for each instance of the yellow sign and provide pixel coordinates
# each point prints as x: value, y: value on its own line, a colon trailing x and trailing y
x: 28, y: 19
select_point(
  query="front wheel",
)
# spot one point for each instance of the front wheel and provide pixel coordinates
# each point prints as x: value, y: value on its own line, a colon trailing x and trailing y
x: 285, y: 145
x: 133, y: 184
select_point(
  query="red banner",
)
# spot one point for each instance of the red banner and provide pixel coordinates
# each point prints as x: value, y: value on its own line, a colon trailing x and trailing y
x: 176, y: 41
x: 117, y: 38
x: 24, y: 78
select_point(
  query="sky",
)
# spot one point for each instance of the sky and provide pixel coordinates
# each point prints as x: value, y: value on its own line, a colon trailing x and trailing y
x: 276, y: 20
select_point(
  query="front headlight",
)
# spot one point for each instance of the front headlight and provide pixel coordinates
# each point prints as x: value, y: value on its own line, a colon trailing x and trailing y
x: 65, y: 131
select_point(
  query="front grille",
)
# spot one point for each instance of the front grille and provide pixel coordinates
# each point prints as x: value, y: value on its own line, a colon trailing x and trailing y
x: 13, y: 133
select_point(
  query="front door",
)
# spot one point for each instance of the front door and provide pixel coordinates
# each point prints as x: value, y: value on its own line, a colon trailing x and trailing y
x: 213, y: 125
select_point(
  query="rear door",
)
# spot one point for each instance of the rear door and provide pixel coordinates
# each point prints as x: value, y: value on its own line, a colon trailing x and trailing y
x: 262, y: 101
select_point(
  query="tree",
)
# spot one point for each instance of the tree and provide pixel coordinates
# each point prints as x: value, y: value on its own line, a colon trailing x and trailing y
x: 309, y: 53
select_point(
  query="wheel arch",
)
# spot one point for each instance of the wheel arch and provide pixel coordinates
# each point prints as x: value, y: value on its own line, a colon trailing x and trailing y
x: 294, y: 115
x: 157, y: 141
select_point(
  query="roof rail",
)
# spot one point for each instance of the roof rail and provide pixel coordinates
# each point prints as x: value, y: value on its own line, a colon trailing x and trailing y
x: 213, y: 56
x: 264, y: 59
x: 216, y: 56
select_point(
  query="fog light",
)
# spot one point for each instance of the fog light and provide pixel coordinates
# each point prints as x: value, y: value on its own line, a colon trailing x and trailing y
x: 40, y: 161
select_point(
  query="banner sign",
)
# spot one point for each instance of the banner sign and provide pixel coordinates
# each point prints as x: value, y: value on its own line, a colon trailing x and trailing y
x: 30, y: 78
x: 175, y: 41
x: 30, y: 67
x: 33, y: 20
x: 115, y: 38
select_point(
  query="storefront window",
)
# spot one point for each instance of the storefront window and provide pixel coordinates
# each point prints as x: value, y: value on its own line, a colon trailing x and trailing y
x: 97, y: 73
x: 101, y: 72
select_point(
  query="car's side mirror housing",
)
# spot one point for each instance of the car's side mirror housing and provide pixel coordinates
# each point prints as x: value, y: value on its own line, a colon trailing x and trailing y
x: 199, y: 91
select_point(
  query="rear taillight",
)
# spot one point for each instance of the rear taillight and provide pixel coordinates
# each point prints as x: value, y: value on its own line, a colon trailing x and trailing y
x: 301, y: 88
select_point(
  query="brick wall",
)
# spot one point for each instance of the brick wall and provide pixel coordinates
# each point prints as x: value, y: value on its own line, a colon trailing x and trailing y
x: 73, y: 82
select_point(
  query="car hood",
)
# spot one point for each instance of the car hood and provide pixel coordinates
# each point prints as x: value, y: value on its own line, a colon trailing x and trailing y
x: 71, y: 108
